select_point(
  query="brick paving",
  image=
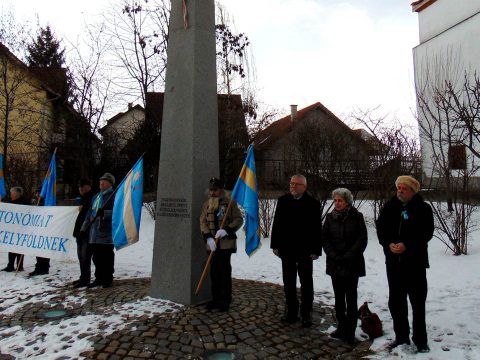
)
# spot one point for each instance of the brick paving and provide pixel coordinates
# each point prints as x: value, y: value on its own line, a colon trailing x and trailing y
x: 250, y: 330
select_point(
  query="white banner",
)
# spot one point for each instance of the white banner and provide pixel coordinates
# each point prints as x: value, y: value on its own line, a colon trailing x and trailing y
x: 45, y: 231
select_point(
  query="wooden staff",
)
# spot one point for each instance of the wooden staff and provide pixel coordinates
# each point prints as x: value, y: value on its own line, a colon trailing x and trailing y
x: 209, y: 260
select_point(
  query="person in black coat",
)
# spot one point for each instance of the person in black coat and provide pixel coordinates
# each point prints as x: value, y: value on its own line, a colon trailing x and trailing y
x: 404, y: 228
x: 296, y: 239
x: 83, y: 250
x: 16, y: 197
x: 344, y: 238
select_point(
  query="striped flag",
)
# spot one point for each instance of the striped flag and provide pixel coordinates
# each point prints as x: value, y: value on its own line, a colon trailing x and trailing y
x: 3, y: 191
x: 127, y: 208
x: 49, y: 186
x: 245, y: 194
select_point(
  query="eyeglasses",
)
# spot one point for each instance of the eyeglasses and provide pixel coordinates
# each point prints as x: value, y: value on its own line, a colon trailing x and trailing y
x: 296, y: 184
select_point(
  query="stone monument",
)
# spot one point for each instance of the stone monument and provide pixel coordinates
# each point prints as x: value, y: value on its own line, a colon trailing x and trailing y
x: 188, y: 152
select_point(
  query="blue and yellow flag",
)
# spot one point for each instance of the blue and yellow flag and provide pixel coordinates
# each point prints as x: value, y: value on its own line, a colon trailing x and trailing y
x: 3, y: 191
x: 127, y: 208
x: 245, y: 194
x: 49, y: 186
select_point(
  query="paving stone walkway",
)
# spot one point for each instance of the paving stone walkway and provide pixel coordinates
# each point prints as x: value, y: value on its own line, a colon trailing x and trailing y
x: 251, y: 329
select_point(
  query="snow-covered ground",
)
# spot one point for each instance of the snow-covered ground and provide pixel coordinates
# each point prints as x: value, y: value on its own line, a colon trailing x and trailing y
x: 453, y: 304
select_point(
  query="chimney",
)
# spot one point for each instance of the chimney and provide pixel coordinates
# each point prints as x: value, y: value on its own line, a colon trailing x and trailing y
x: 293, y: 112
x: 130, y: 106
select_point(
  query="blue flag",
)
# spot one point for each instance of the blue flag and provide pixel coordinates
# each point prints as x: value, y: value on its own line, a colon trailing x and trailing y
x: 3, y: 192
x: 245, y: 194
x: 49, y: 186
x: 127, y: 208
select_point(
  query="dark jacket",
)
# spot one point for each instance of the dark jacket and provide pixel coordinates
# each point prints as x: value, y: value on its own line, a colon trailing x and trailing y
x: 297, y: 226
x: 344, y: 241
x: 19, y: 201
x: 100, y: 227
x: 85, y: 203
x: 411, y: 224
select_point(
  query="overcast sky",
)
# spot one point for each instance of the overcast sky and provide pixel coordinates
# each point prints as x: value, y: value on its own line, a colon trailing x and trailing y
x: 346, y: 54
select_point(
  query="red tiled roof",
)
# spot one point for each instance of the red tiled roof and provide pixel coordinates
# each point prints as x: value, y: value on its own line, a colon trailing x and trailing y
x: 283, y: 126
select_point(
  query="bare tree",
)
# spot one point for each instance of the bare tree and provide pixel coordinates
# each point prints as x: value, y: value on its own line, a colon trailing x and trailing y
x: 396, y: 152
x: 138, y: 31
x: 447, y: 107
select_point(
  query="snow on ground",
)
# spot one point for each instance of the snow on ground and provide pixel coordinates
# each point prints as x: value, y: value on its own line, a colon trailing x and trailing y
x: 453, y: 315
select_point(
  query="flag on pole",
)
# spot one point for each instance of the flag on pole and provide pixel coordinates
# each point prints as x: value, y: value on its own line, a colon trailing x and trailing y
x: 127, y: 208
x: 3, y: 191
x: 49, y: 187
x: 245, y: 194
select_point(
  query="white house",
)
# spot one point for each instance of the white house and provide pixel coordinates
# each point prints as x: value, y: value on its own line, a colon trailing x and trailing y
x: 446, y: 58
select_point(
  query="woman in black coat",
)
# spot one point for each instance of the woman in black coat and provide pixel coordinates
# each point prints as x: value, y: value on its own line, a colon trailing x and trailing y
x: 344, y: 241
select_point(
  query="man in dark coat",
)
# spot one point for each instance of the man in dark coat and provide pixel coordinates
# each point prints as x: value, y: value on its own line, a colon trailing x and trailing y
x: 296, y: 239
x: 16, y: 197
x: 98, y: 224
x: 83, y: 251
x: 404, y: 228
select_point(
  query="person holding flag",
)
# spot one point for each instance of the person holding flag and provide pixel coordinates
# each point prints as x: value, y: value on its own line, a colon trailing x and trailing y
x: 220, y: 219
x: 98, y: 226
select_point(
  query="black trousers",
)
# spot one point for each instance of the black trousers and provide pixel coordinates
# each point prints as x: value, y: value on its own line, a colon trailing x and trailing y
x: 84, y: 254
x: 42, y: 265
x: 221, y: 276
x: 302, y: 265
x: 11, y: 260
x: 104, y: 258
x: 346, y: 309
x: 408, y: 281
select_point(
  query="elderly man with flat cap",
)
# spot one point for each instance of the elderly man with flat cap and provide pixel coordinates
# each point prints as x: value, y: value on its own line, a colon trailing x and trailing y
x: 98, y: 225
x: 404, y: 228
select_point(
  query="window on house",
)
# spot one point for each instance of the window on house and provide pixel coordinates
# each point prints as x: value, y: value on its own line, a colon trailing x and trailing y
x: 457, y: 157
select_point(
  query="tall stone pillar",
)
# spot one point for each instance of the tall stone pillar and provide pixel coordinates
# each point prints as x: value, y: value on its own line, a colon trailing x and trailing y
x: 188, y: 152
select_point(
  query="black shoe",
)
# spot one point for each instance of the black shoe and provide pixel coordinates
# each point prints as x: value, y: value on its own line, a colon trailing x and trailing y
x: 20, y: 269
x: 350, y: 340
x: 8, y: 269
x: 223, y: 308
x: 94, y: 284
x: 397, y: 342
x: 289, y: 319
x: 423, y: 348
x: 36, y: 272
x: 81, y: 284
x: 306, y: 321
x: 107, y: 285
x: 75, y: 282
x: 337, y: 334
x: 211, y: 305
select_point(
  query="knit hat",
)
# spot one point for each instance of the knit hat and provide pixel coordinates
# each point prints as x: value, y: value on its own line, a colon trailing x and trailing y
x: 85, y: 181
x: 215, y: 183
x: 409, y: 181
x: 108, y: 177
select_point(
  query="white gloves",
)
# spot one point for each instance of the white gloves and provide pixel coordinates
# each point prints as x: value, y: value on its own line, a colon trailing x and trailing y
x: 220, y: 234
x: 211, y: 244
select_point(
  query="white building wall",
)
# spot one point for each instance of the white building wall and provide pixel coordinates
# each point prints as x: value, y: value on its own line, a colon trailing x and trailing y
x: 449, y: 46
x: 443, y: 14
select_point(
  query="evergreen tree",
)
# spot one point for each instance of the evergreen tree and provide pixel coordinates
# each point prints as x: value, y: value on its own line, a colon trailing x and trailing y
x: 45, y: 51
